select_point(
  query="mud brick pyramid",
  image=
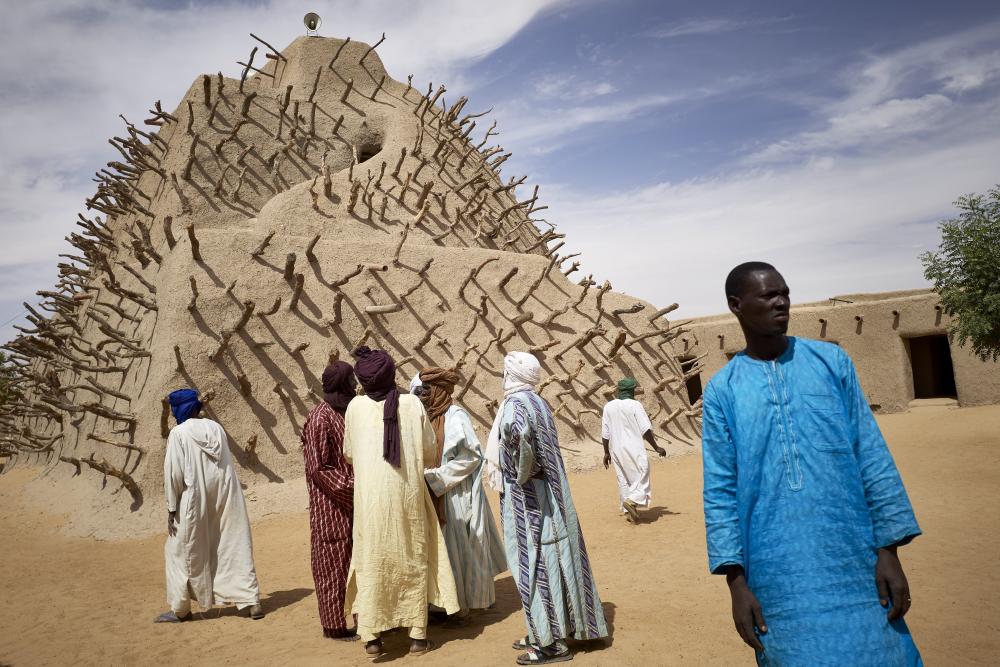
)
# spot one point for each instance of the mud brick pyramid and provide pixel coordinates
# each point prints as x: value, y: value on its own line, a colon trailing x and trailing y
x: 271, y: 223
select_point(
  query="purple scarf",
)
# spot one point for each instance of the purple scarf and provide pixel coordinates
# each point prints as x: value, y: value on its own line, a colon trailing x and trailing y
x: 376, y: 372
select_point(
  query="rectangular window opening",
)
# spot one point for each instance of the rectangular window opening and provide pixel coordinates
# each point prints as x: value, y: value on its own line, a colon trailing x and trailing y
x: 693, y: 383
x: 930, y: 362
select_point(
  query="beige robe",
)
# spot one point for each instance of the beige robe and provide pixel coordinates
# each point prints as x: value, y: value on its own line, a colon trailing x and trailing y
x: 211, y: 556
x: 399, y: 563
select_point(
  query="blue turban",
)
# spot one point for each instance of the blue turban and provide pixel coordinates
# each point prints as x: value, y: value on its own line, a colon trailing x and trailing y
x: 184, y: 403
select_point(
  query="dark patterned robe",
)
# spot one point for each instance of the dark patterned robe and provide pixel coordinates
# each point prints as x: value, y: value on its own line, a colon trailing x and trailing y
x: 330, y: 480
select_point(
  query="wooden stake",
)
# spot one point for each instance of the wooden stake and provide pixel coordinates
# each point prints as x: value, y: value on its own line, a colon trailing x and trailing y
x: 399, y: 246
x: 339, y: 49
x: 507, y: 277
x: 399, y: 163
x: 312, y: 95
x: 310, y: 256
x: 168, y: 232
x: 248, y: 307
x: 245, y: 109
x: 262, y: 246
x: 371, y: 48
x: 634, y: 308
x: 663, y: 311
x: 195, y: 246
x: 272, y: 310
x: 347, y: 91
x: 383, y: 309
x: 426, y: 338
x: 193, y: 303
x: 296, y: 291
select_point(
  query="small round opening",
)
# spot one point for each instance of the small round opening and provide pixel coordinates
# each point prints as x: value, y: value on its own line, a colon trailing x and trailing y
x: 368, y: 151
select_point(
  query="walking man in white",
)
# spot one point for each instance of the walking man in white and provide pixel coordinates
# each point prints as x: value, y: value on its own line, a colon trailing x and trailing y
x: 209, y: 551
x: 624, y: 426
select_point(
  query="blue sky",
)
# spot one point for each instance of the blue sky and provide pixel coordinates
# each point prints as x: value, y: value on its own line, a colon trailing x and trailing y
x: 671, y: 140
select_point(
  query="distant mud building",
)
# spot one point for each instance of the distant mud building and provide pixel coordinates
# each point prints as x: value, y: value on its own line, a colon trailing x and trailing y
x: 898, y: 341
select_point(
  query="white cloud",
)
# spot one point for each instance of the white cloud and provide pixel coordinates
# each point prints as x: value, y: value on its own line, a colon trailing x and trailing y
x: 712, y: 26
x: 969, y: 73
x: 846, y: 225
x: 846, y: 207
x: 955, y: 62
x: 541, y: 128
x: 899, y: 95
x: 570, y: 87
x: 881, y: 122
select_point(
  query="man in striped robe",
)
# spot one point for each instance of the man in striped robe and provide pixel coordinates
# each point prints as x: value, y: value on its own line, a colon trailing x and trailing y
x: 542, y: 535
x: 330, y: 480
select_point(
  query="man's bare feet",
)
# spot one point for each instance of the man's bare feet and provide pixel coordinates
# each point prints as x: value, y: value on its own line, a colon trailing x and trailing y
x: 256, y: 612
x: 374, y: 648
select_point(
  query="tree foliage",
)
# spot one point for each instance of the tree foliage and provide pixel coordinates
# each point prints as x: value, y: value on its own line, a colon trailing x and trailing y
x: 965, y: 271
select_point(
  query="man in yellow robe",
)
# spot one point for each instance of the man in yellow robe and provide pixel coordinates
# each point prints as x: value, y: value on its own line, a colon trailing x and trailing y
x: 399, y: 561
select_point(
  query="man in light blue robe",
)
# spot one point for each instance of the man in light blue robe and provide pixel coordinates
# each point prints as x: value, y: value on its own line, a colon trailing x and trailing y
x: 455, y: 478
x: 804, y: 507
x: 542, y: 535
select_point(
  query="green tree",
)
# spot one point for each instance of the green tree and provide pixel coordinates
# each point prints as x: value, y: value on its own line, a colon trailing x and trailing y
x: 966, y: 273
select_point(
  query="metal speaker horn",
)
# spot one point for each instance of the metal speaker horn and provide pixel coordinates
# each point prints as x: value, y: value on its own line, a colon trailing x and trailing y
x: 312, y: 22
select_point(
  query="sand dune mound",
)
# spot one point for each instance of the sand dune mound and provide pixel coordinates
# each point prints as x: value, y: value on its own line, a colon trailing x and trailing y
x: 269, y: 224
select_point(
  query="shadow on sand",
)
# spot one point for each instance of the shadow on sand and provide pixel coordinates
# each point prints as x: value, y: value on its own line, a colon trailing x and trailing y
x: 508, y: 602
x: 272, y: 603
x: 653, y: 514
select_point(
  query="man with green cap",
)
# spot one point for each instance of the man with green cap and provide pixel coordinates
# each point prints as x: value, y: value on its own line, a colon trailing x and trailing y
x: 624, y: 426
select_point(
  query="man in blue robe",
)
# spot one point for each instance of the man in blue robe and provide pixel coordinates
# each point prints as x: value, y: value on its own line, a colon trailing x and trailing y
x: 804, y: 507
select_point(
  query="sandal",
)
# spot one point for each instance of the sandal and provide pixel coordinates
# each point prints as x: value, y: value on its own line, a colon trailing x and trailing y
x: 378, y: 651
x: 545, y: 656
x: 428, y: 647
x: 456, y: 621
x: 521, y: 644
x: 172, y: 617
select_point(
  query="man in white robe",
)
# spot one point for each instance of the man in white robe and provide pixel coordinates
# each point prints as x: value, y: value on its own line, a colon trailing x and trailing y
x: 209, y: 550
x: 624, y: 426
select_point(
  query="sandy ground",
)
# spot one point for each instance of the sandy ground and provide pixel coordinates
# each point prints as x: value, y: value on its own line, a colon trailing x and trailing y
x: 70, y: 600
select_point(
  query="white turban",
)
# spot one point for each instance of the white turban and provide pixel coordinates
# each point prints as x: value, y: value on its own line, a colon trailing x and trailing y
x: 521, y: 372
x: 415, y: 382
